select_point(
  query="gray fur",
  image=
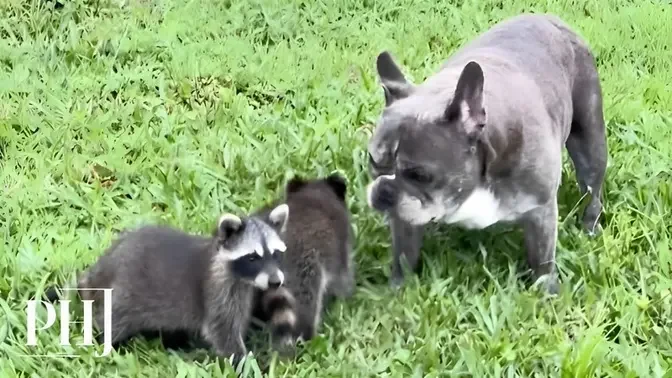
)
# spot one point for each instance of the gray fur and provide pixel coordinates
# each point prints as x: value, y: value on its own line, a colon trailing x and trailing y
x: 170, y: 281
x: 318, y: 264
x: 480, y: 141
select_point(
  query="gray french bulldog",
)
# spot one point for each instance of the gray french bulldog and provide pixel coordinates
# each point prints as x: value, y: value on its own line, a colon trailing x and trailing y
x: 480, y: 142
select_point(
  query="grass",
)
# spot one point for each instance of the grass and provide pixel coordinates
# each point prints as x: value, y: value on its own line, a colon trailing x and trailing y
x: 114, y: 114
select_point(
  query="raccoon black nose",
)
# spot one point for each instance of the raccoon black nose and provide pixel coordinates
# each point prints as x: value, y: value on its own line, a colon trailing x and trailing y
x: 274, y: 282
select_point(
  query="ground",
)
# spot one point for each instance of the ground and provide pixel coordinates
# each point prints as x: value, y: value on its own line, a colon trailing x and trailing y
x: 114, y: 114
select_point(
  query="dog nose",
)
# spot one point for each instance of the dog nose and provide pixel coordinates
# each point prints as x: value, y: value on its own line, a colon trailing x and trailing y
x: 385, y: 197
x: 387, y: 194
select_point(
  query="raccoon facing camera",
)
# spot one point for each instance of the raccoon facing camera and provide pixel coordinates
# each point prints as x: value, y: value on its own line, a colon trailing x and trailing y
x: 166, y: 280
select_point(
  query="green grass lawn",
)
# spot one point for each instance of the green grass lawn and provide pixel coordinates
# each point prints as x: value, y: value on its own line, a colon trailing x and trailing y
x: 135, y: 111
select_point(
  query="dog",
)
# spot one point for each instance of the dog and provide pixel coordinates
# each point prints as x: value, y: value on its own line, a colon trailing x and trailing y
x: 480, y: 142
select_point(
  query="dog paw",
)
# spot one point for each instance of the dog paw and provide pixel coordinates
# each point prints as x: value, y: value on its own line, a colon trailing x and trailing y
x: 591, y: 219
x: 592, y: 229
x: 396, y: 282
x: 548, y: 283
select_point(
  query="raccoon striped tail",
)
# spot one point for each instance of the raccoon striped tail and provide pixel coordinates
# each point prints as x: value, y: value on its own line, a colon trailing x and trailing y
x: 279, y: 306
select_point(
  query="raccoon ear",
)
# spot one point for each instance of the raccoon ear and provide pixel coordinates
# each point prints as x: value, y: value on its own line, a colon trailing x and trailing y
x: 228, y: 225
x: 295, y: 184
x: 338, y: 184
x: 279, y: 216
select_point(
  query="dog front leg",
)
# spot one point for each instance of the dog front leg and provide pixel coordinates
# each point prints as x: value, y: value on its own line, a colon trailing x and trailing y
x: 540, y: 228
x: 406, y: 242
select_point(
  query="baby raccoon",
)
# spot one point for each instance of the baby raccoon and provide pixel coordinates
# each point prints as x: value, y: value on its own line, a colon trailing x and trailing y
x: 318, y: 264
x: 170, y: 281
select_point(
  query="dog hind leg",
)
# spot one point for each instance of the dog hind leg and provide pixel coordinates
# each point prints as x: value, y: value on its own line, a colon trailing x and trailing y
x: 587, y: 141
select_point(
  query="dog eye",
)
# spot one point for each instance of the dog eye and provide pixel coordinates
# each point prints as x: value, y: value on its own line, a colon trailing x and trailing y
x: 384, y: 164
x: 417, y: 175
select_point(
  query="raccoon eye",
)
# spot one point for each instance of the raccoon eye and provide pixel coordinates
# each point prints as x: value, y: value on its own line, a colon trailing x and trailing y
x: 253, y: 257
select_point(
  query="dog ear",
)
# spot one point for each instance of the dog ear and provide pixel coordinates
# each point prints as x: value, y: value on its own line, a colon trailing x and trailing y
x: 295, y: 184
x: 467, y: 104
x: 395, y: 85
x: 338, y: 185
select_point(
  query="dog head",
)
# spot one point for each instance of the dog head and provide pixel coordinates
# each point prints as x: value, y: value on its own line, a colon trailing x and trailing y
x: 425, y: 163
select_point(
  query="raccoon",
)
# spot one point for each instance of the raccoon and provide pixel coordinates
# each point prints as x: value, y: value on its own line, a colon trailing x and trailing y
x: 318, y: 264
x: 203, y: 287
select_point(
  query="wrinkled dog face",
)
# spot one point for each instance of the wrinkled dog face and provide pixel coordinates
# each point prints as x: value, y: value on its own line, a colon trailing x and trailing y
x: 425, y: 164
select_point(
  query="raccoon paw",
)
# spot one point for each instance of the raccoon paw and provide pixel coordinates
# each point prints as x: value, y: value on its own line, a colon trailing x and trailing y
x: 396, y: 282
x: 344, y: 288
x: 285, y: 346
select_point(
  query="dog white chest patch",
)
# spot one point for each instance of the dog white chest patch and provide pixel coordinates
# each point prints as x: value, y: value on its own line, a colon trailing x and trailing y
x: 482, y: 209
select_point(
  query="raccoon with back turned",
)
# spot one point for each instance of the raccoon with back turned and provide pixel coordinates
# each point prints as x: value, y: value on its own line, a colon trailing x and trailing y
x: 318, y: 264
x: 167, y: 280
